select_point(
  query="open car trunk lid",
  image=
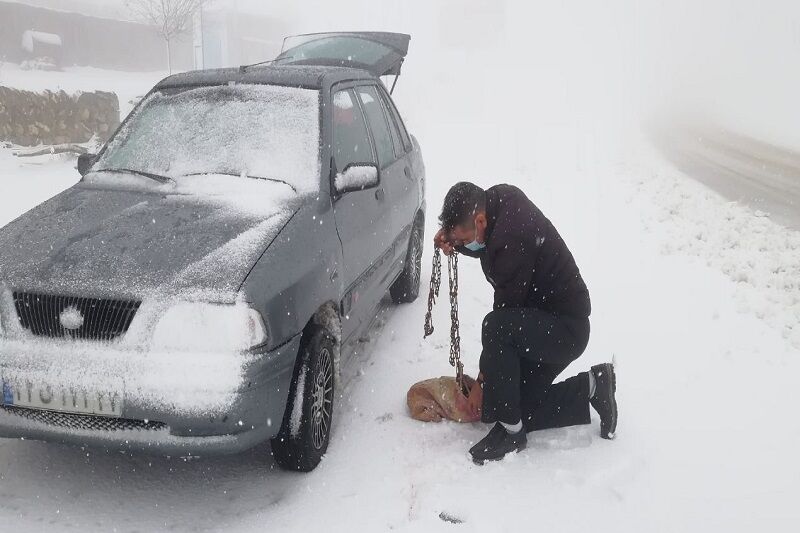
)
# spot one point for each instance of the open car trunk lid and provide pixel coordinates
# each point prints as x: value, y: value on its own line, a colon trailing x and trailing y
x: 380, y: 53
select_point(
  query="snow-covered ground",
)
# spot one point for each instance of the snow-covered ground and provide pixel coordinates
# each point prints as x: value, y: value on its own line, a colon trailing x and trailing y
x: 707, y: 436
x: 696, y: 298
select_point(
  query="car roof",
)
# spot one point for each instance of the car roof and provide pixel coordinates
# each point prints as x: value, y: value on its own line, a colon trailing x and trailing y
x: 308, y: 77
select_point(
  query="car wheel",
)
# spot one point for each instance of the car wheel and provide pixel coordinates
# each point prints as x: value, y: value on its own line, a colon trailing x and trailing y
x: 406, y: 288
x: 305, y: 433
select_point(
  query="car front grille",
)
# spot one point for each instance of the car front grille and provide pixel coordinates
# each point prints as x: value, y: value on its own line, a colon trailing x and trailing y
x: 79, y: 421
x: 74, y: 317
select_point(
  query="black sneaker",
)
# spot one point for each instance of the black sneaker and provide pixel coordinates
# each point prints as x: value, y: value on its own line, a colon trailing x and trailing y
x: 604, y: 400
x: 497, y: 444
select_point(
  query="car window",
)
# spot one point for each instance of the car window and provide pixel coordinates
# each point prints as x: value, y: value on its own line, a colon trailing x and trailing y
x: 350, y: 138
x: 378, y: 124
x: 399, y: 149
x: 400, y: 126
x: 336, y: 48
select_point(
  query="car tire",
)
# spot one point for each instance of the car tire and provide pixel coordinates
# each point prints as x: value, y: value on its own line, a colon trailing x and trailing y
x: 303, y: 439
x: 406, y: 288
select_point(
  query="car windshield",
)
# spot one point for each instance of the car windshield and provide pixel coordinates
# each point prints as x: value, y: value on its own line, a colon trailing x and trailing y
x: 257, y: 131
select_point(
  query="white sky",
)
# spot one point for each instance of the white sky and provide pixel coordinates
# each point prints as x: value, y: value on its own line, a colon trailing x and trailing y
x: 733, y: 61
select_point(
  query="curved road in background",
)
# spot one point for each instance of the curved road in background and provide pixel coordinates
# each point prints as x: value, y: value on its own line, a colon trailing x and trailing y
x: 759, y: 175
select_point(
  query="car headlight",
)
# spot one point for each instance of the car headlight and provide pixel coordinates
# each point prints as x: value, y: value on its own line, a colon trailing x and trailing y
x: 209, y: 327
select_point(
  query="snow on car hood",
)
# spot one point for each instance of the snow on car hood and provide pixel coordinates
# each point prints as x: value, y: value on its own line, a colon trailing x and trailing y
x: 153, y: 240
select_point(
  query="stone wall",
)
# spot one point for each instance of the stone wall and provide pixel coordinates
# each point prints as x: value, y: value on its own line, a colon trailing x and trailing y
x: 28, y: 118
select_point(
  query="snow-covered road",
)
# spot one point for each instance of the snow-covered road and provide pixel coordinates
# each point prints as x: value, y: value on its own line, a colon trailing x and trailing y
x: 707, y: 364
x: 761, y: 175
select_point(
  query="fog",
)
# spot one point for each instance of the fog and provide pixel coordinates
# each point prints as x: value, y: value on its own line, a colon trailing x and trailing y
x: 610, y: 65
x: 507, y: 77
x: 620, y: 62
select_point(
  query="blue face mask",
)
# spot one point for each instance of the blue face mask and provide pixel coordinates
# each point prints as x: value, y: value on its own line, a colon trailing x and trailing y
x: 475, y: 246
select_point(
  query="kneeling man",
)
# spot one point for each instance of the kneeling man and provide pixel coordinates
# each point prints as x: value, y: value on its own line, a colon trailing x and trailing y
x: 539, y: 324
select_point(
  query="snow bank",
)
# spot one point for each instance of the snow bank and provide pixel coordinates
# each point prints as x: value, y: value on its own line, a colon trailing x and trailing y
x: 759, y: 255
x: 44, y: 176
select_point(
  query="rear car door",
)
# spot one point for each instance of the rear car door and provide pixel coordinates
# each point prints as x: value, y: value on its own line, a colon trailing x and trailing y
x: 381, y: 53
x: 396, y: 176
x: 363, y: 218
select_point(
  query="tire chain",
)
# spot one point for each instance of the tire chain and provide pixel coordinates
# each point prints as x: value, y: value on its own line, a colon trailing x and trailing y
x: 455, y: 336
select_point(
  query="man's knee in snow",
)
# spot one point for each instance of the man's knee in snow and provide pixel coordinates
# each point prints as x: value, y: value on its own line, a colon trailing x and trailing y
x: 492, y: 326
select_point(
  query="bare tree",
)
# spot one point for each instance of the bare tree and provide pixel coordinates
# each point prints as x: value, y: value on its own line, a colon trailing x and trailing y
x: 172, y: 18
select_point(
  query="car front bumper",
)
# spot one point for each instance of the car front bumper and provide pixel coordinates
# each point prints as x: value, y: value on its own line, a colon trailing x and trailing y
x: 173, y: 404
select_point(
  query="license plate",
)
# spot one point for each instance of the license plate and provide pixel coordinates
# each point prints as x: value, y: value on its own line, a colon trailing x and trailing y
x: 71, y: 400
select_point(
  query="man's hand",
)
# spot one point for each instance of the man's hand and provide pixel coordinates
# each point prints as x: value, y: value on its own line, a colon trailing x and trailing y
x: 475, y: 400
x: 440, y: 241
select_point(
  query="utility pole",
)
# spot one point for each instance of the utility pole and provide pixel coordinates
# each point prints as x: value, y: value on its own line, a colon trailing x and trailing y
x: 197, y: 40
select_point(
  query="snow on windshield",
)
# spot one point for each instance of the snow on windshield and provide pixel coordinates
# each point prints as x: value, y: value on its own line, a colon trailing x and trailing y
x: 259, y: 131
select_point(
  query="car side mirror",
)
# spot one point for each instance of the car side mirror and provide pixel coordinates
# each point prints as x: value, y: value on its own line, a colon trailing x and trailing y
x: 356, y: 177
x: 85, y: 162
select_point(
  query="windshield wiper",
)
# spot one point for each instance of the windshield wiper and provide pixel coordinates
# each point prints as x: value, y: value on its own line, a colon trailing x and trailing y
x: 243, y: 68
x: 156, y: 177
x: 239, y: 175
x: 276, y: 180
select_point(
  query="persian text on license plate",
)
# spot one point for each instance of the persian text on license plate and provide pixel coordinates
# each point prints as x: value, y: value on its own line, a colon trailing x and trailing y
x: 69, y: 400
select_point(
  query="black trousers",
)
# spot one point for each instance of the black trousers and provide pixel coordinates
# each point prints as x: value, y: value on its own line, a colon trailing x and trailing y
x: 524, y: 350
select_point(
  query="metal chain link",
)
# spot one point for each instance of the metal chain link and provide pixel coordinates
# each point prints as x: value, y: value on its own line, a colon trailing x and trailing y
x: 436, y: 280
x: 455, y: 336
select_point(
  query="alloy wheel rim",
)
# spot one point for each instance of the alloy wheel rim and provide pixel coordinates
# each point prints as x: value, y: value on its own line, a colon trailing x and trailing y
x: 322, y: 403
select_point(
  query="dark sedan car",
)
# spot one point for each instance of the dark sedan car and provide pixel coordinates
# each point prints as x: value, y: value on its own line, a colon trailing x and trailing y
x: 192, y: 294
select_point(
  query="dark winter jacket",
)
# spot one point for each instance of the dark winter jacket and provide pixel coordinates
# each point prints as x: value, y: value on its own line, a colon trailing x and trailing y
x: 526, y: 260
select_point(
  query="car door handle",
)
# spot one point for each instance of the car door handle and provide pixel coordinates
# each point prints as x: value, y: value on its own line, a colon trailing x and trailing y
x: 379, y: 194
x: 408, y: 173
